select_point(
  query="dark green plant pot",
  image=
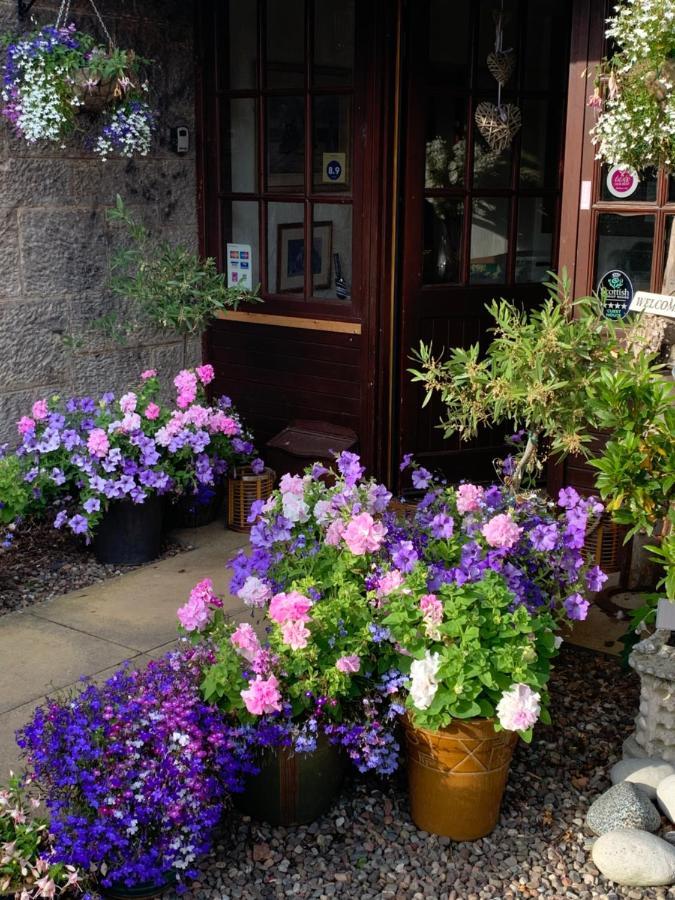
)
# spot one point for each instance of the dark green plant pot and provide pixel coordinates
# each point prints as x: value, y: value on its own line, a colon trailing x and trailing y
x: 293, y: 788
x: 143, y: 891
x: 130, y: 534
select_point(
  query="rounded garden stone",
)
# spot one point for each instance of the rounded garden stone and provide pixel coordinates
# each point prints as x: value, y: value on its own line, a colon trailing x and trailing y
x: 665, y: 796
x: 623, y: 806
x: 634, y: 858
x: 646, y: 774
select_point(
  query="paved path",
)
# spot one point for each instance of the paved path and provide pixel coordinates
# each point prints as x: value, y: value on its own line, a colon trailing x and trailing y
x: 49, y: 646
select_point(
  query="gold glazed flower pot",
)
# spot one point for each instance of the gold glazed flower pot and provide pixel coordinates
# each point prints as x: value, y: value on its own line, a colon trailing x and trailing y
x: 457, y: 776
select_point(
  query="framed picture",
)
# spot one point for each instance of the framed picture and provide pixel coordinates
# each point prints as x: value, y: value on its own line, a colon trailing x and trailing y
x: 291, y: 256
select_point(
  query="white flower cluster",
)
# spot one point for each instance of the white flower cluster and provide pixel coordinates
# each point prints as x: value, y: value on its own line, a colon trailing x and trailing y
x: 642, y: 29
x: 128, y: 133
x: 40, y: 107
x: 636, y: 127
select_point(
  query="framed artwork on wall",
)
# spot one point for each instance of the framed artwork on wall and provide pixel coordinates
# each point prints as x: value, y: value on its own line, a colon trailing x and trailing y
x: 291, y: 256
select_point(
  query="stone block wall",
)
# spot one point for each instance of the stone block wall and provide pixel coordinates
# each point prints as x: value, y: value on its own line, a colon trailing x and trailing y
x: 55, y: 242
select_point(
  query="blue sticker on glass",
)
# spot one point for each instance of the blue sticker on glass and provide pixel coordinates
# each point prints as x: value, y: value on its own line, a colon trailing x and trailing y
x: 333, y: 170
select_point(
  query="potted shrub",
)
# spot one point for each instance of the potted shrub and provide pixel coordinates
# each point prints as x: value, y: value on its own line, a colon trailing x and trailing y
x: 49, y: 75
x: 26, y: 846
x: 301, y: 680
x: 135, y: 774
x: 102, y: 468
x: 477, y: 601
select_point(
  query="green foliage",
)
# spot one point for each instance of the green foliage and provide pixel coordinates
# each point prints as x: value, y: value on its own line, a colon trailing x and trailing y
x: 636, y: 471
x: 168, y: 286
x: 536, y: 373
x: 15, y: 493
x: 485, y: 645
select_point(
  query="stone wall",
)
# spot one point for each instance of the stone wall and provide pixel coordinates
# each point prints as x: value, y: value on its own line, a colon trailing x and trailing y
x: 55, y: 242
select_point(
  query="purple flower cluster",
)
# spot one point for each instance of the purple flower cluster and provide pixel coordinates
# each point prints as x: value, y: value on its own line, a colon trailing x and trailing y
x: 136, y: 772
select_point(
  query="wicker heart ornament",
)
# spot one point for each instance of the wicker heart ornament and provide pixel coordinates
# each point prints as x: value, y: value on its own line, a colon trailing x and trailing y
x: 498, y: 124
x: 501, y: 65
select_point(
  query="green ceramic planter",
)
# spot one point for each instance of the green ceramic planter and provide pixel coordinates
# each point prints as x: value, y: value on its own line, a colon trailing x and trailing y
x: 294, y: 788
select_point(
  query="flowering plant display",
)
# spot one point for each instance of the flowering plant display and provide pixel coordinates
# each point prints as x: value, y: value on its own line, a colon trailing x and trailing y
x: 634, y: 88
x: 26, y: 866
x: 487, y: 581
x: 79, y: 455
x: 135, y: 772
x: 311, y: 666
x: 48, y: 76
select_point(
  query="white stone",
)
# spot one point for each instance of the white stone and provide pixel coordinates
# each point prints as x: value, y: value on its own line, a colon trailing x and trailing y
x: 646, y: 774
x: 635, y: 858
x: 654, y: 661
x: 632, y: 750
x: 665, y: 795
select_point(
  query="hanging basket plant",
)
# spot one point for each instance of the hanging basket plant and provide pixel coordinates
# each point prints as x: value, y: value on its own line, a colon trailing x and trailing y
x: 635, y: 88
x: 53, y: 74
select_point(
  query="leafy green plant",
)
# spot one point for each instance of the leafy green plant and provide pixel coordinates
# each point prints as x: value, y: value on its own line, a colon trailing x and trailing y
x: 536, y: 374
x: 168, y: 286
x: 15, y: 493
x: 636, y: 470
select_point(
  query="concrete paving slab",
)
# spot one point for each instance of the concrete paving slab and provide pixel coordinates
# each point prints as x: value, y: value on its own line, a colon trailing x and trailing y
x: 38, y: 657
x: 138, y: 610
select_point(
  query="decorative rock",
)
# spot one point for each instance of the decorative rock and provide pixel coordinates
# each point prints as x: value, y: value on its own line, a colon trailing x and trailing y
x: 646, y: 774
x: 634, y: 858
x: 623, y: 806
x: 665, y: 795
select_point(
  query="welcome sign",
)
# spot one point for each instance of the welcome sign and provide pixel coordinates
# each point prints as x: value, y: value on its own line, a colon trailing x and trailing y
x: 656, y: 304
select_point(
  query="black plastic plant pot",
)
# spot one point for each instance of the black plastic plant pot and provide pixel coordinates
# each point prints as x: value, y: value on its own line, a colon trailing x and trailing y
x: 143, y: 891
x: 293, y: 788
x: 130, y: 534
x: 195, y: 510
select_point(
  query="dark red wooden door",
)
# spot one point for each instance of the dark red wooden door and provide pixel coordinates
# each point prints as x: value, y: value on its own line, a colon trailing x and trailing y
x: 478, y: 223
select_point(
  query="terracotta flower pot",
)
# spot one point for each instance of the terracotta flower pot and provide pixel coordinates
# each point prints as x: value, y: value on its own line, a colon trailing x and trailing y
x: 293, y: 788
x: 457, y: 776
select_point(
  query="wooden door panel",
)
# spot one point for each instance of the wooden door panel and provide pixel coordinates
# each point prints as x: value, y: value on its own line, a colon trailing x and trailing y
x: 491, y: 215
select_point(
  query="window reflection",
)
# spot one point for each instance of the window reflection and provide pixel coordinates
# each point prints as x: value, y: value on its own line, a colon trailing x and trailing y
x: 285, y: 43
x: 446, y: 142
x: 239, y: 146
x: 285, y: 138
x: 535, y: 238
x: 332, y: 145
x: 489, y: 240
x: 625, y: 243
x: 333, y: 42
x: 443, y: 223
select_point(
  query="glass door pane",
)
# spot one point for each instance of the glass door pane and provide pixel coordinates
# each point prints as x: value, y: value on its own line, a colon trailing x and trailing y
x: 285, y: 248
x: 625, y: 243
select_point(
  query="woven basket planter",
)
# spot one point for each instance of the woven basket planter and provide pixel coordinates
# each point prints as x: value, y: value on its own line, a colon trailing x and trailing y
x: 242, y: 491
x: 94, y: 97
x: 604, y: 544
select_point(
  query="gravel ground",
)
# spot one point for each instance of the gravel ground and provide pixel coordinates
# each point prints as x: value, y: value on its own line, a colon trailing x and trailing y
x: 44, y: 563
x: 367, y: 846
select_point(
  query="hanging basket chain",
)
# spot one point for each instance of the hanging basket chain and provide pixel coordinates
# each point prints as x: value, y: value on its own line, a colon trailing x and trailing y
x: 64, y: 13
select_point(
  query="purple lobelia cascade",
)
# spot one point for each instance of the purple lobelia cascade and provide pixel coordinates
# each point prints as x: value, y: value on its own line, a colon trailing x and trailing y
x: 135, y: 772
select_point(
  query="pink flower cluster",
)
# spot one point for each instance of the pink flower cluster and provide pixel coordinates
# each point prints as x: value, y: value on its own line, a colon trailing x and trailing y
x: 246, y: 642
x: 501, y: 531
x: 290, y: 611
x: 25, y: 424
x: 262, y: 696
x: 348, y: 664
x: 388, y: 583
x: 40, y: 410
x: 98, y: 443
x: 254, y: 591
x: 186, y: 383
x: 432, y: 610
x: 469, y: 498
x: 363, y: 534
x: 195, y: 615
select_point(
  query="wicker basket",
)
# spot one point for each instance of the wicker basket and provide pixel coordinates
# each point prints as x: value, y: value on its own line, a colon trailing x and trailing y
x: 605, y: 544
x: 242, y: 492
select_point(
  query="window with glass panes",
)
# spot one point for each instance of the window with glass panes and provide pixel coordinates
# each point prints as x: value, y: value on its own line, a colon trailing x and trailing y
x: 287, y: 171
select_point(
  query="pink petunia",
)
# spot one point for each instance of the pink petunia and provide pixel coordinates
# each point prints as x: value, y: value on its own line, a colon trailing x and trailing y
x: 292, y: 484
x: 98, y: 443
x: 432, y: 609
x: 295, y: 634
x: 196, y: 613
x: 501, y: 531
x: 262, y: 696
x: 348, y: 664
x: 222, y: 424
x: 334, y: 532
x: 246, y: 642
x: 25, y: 424
x: 152, y: 412
x: 128, y: 402
x: 40, y: 410
x: 292, y: 605
x: 363, y: 534
x: 469, y: 498
x: 205, y: 373
x: 149, y: 373
x: 388, y: 583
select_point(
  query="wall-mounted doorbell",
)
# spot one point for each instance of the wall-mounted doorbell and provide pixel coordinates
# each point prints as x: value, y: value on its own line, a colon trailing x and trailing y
x: 180, y: 139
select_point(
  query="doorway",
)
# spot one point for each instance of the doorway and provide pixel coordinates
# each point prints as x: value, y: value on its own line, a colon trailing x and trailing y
x: 480, y: 217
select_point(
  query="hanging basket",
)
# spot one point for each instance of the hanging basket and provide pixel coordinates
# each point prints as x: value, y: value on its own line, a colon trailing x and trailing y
x: 242, y: 491
x: 498, y: 124
x: 94, y: 95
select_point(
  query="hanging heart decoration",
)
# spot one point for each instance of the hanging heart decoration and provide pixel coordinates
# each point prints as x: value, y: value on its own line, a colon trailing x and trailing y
x: 501, y: 64
x: 498, y: 124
